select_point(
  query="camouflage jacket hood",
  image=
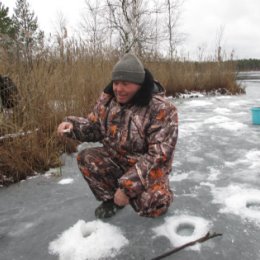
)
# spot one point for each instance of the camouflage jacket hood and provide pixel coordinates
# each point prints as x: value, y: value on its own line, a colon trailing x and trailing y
x: 140, y: 138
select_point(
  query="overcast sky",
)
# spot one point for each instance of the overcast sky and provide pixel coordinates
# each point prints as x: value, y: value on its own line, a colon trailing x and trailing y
x: 202, y: 22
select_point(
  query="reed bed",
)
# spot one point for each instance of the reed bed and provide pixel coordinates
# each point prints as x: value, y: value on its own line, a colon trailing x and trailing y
x: 58, y: 85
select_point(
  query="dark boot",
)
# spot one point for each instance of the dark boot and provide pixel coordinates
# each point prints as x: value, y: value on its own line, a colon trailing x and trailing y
x: 107, y: 209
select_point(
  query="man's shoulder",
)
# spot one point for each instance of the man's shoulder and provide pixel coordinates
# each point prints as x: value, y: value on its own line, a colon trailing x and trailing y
x: 159, y: 102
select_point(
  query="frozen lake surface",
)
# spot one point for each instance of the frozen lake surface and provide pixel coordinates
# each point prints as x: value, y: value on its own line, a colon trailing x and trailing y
x: 215, y: 179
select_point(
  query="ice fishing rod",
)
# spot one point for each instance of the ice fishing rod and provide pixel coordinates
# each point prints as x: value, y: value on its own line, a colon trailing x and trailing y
x: 200, y: 240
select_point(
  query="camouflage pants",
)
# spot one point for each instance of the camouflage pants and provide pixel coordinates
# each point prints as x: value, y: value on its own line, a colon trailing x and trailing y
x: 102, y: 173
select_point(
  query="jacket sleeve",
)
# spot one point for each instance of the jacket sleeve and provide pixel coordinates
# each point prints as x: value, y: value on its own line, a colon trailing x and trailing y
x: 153, y: 166
x: 89, y: 129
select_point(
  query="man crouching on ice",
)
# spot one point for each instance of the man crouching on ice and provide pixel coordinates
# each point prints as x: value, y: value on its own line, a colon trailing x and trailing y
x: 138, y: 128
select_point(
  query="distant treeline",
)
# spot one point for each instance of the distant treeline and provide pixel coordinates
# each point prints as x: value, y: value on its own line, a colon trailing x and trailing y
x: 248, y: 64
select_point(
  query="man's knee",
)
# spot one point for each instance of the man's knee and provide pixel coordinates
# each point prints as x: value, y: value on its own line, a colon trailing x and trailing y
x: 94, y: 161
x: 83, y: 159
x: 155, y: 212
x: 153, y: 203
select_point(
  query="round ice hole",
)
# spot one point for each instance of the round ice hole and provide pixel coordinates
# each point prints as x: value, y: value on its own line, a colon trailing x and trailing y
x: 185, y: 229
x: 254, y: 205
x: 86, y: 234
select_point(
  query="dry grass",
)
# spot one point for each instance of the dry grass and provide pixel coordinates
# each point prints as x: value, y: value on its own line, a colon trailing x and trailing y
x: 58, y: 86
x: 208, y: 77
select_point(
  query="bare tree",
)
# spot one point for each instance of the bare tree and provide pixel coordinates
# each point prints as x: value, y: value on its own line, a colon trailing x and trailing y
x: 130, y: 20
x: 158, y: 11
x: 173, y: 15
x: 143, y: 26
x: 61, y: 34
x: 219, y: 39
x: 93, y: 25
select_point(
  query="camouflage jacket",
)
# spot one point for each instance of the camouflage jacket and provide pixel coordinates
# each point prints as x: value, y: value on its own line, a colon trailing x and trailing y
x: 141, y: 140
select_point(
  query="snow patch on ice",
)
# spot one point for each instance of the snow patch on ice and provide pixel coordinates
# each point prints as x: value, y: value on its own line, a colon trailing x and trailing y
x: 208, y: 184
x: 216, y: 120
x: 241, y: 201
x: 188, y: 128
x: 66, y: 181
x: 222, y: 111
x: 191, y: 126
x: 232, y: 126
x: 251, y: 159
x: 238, y: 103
x: 53, y: 172
x: 192, y: 94
x: 199, y: 103
x: 224, y: 97
x: 192, y: 175
x: 179, y: 177
x: 91, y: 240
x: 224, y: 122
x: 195, y: 159
x: 214, y: 173
x: 183, y: 229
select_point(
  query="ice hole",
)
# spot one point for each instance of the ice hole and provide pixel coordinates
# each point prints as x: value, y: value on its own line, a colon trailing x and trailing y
x: 185, y: 229
x: 254, y: 205
x: 87, y: 231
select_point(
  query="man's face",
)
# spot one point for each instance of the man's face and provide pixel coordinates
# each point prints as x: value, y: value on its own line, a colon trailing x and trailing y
x: 124, y: 90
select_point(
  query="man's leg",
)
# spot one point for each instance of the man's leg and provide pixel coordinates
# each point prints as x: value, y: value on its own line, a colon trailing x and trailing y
x: 101, y: 174
x: 154, y: 201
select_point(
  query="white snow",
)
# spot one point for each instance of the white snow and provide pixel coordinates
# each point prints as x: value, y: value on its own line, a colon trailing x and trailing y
x: 196, y: 159
x: 178, y: 177
x: 199, y: 103
x: 66, y: 181
x: 216, y: 120
x: 91, y: 240
x: 224, y: 122
x: 223, y: 97
x: 239, y: 200
x: 232, y: 126
x: 188, y: 128
x: 208, y: 184
x: 191, y: 95
x: 251, y: 159
x: 183, y: 229
x: 192, y: 175
x: 214, y: 174
x: 222, y: 111
x: 53, y: 172
x: 238, y: 103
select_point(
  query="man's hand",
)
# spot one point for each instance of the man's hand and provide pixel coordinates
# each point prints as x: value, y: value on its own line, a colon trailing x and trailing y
x: 64, y: 127
x: 120, y: 198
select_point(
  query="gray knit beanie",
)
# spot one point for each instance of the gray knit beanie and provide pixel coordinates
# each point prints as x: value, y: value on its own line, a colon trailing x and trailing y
x: 129, y: 68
